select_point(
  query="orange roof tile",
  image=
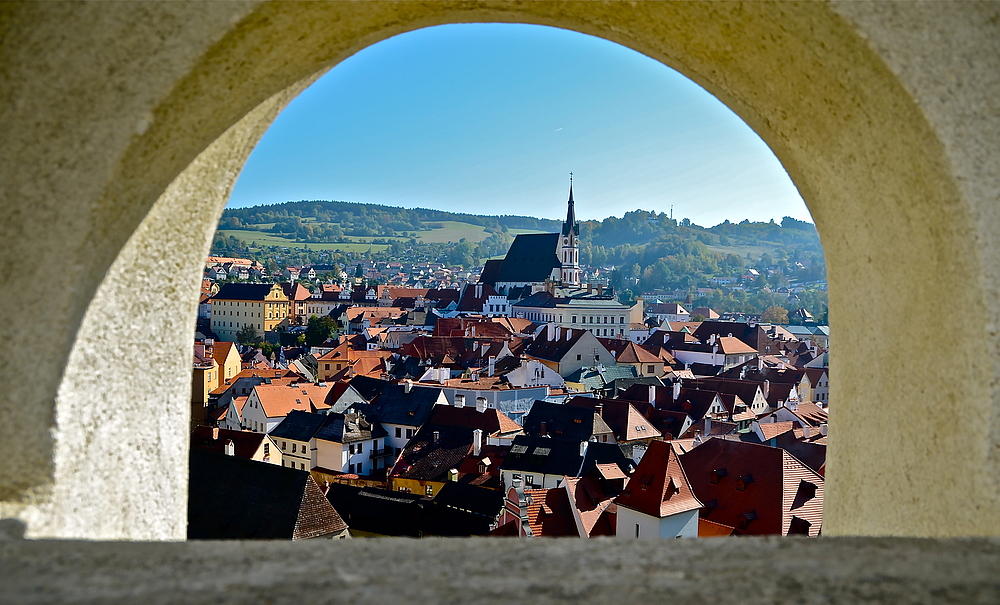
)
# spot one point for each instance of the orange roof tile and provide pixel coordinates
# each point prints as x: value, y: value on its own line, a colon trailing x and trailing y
x: 279, y: 400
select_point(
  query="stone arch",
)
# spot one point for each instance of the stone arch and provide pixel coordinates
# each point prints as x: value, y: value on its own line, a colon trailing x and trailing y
x: 125, y: 133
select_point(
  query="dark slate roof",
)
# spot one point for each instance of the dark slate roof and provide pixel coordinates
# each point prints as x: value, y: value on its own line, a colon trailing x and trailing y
x: 244, y: 291
x: 425, y: 459
x: 369, y: 388
x: 554, y: 350
x: 232, y: 498
x: 378, y: 511
x: 395, y: 406
x: 563, y: 421
x: 531, y: 258
x: 752, y: 335
x: 462, y: 510
x: 302, y: 426
x: 490, y: 271
x: 563, y: 456
x: 245, y: 443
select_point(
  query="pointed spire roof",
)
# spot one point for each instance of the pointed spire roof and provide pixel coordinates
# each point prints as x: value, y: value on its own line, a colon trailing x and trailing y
x: 571, y: 224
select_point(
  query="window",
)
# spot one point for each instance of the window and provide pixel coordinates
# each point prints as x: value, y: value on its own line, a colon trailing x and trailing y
x: 302, y: 466
x: 636, y: 530
x: 579, y: 357
x: 350, y: 468
x: 267, y: 449
x: 399, y: 432
x: 409, y: 433
x: 649, y: 369
x: 574, y: 319
x: 529, y: 479
x: 283, y: 444
x: 429, y: 490
x: 621, y: 319
x: 294, y: 446
x: 361, y: 448
x: 350, y: 449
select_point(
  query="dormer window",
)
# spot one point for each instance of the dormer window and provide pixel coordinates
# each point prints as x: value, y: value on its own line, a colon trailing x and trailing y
x: 717, y: 475
x: 744, y: 481
x: 746, y: 519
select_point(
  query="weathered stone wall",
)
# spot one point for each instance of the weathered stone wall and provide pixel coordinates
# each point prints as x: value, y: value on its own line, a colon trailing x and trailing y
x: 124, y: 126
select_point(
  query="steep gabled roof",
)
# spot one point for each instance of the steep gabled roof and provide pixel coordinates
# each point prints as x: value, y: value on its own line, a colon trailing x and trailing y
x: 231, y: 498
x: 395, y: 406
x: 754, y: 488
x: 658, y: 486
x: 633, y: 353
x: 549, y: 513
x: 531, y: 258
x: 432, y: 452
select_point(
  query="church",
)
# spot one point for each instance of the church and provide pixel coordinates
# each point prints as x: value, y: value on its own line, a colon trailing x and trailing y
x: 540, y: 276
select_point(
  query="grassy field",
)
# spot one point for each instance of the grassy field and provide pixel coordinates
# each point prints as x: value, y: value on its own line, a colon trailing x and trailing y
x: 270, y: 239
x: 742, y: 251
x: 453, y: 231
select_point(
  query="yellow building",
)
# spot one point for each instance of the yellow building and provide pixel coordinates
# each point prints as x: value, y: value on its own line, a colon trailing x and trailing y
x: 264, y: 307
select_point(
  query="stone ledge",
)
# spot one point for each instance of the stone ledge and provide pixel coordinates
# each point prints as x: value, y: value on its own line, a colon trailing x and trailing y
x: 442, y: 570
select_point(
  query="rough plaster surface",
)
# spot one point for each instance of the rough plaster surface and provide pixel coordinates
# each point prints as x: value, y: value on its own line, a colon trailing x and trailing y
x: 718, y: 570
x: 99, y: 119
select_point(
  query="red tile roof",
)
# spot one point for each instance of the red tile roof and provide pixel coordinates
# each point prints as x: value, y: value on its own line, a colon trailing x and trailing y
x: 659, y: 486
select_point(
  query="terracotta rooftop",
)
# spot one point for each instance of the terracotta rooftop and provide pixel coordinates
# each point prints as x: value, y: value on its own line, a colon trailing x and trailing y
x: 659, y: 486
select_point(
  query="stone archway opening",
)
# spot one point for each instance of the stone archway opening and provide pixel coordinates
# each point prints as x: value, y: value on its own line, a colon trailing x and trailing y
x: 865, y: 152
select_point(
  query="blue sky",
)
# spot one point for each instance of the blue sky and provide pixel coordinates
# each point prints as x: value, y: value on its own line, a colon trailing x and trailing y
x: 492, y: 118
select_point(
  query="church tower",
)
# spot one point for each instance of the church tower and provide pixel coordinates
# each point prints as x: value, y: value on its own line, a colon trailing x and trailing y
x: 569, y: 244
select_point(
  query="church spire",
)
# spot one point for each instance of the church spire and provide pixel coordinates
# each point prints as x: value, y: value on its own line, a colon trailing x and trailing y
x: 571, y: 226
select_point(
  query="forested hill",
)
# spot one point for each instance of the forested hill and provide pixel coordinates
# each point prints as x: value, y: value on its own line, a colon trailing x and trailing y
x: 368, y: 219
x: 648, y: 251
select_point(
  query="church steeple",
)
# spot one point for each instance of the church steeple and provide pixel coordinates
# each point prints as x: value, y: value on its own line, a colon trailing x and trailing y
x: 569, y: 249
x: 571, y: 225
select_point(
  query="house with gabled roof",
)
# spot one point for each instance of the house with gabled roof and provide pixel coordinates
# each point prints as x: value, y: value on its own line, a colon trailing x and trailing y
x: 755, y: 489
x: 401, y: 409
x: 645, y: 362
x: 268, y: 404
x: 567, y: 350
x: 262, y: 307
x: 658, y: 501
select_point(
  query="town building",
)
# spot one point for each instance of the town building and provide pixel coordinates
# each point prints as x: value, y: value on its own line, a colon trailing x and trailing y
x: 263, y: 307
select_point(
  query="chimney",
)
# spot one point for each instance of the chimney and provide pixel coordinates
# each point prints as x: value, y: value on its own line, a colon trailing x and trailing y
x: 708, y: 426
x: 407, y: 386
x: 477, y: 442
x: 550, y: 332
x: 492, y: 365
x: 443, y: 375
x: 806, y: 431
x: 199, y: 349
x: 569, y: 334
x: 437, y: 436
x: 479, y: 290
x: 230, y: 448
x: 215, y: 433
x: 823, y: 429
x: 453, y: 474
x: 583, y: 448
x: 652, y: 394
x: 480, y: 404
x: 542, y: 428
x: 600, y: 409
x: 766, y: 388
x: 677, y: 390
x: 459, y: 400
x: 558, y: 333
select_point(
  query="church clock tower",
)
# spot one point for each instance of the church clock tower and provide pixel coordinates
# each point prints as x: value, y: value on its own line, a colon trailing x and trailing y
x: 569, y: 243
